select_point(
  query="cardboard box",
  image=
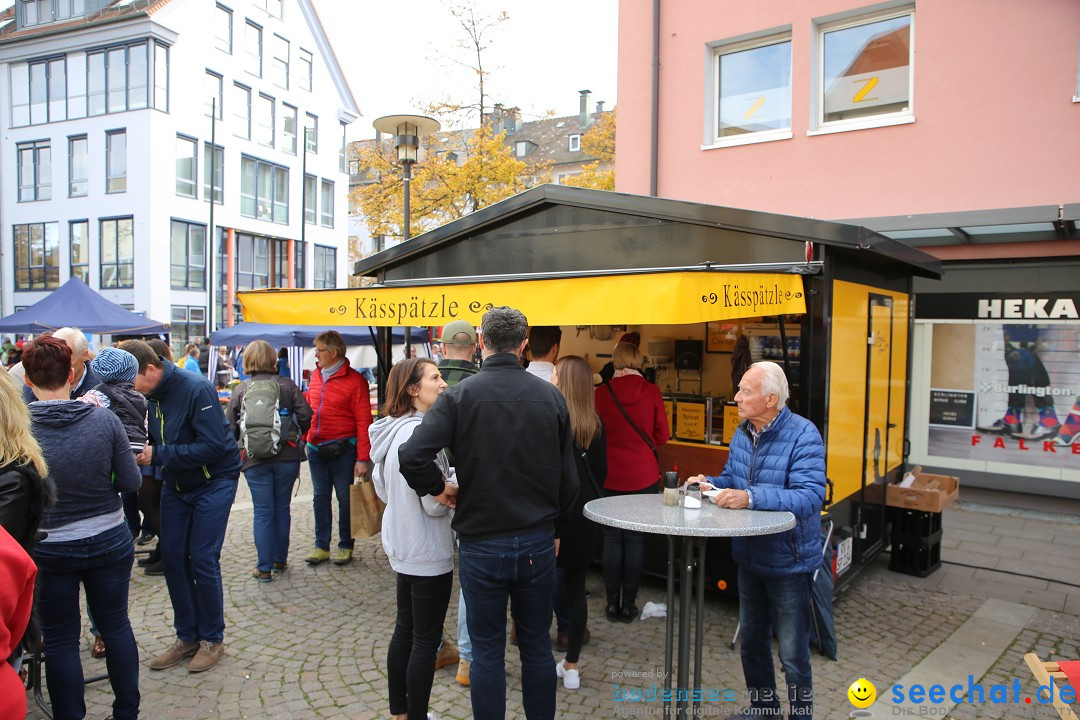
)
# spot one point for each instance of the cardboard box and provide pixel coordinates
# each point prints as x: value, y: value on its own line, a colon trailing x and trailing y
x: 928, y: 493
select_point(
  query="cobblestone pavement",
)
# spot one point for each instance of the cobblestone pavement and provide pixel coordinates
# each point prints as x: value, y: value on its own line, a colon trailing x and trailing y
x: 312, y: 644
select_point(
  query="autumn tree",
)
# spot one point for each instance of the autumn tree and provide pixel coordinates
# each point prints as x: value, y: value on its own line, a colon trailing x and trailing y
x: 462, y: 172
x: 598, y: 142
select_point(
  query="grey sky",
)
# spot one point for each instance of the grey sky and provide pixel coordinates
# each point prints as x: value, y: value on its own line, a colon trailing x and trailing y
x: 538, y: 60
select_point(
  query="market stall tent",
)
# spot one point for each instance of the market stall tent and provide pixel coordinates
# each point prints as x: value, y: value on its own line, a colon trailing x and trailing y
x: 74, y: 304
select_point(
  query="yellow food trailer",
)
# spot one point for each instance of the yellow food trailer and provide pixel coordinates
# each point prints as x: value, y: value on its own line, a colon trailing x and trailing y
x: 702, y: 284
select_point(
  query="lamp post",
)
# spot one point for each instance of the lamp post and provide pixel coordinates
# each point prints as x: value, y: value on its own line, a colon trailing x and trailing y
x: 407, y: 131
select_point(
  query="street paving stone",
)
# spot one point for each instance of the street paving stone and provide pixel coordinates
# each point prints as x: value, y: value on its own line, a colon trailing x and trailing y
x: 312, y: 643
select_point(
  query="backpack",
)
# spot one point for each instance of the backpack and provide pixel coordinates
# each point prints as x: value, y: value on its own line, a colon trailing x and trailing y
x: 263, y: 422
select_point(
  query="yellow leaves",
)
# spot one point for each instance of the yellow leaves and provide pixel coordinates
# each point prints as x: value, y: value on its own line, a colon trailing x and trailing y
x: 599, y: 142
x: 462, y: 171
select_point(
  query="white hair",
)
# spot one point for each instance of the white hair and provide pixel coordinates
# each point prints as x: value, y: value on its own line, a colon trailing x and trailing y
x: 75, y: 337
x: 774, y: 381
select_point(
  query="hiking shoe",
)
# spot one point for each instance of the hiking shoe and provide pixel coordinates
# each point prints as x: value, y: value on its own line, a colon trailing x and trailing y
x: 262, y: 576
x: 207, y: 657
x: 462, y: 676
x: 447, y: 655
x: 279, y: 567
x: 316, y: 556
x: 176, y: 652
x: 343, y: 556
x: 571, y: 679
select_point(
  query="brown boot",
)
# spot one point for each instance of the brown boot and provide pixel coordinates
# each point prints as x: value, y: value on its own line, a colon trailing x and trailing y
x: 447, y: 655
x: 176, y: 652
x: 207, y: 657
x: 97, y: 650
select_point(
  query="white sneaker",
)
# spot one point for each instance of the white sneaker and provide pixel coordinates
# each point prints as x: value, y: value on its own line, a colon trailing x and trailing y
x: 571, y: 679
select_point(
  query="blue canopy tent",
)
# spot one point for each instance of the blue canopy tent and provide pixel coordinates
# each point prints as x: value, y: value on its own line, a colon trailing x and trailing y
x: 298, y: 337
x: 73, y: 304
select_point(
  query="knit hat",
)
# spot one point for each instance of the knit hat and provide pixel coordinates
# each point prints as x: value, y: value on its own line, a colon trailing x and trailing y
x: 115, y: 365
x: 634, y: 338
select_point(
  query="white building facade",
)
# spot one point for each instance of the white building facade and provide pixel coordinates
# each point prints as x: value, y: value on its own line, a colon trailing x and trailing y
x: 111, y: 153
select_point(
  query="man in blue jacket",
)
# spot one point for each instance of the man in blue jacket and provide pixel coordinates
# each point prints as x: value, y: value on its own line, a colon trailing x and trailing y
x: 776, y: 462
x: 200, y: 463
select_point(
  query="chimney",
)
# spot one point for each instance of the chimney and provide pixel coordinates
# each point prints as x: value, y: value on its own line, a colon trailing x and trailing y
x: 599, y: 107
x: 583, y: 108
x: 511, y: 120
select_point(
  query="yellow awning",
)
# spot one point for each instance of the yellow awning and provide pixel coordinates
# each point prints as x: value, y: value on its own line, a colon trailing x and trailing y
x: 640, y: 299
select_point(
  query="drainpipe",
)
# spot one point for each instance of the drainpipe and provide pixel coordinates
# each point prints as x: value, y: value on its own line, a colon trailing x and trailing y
x: 654, y: 131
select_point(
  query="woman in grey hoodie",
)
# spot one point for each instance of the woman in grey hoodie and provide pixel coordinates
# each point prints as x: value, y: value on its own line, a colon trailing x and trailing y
x: 417, y: 539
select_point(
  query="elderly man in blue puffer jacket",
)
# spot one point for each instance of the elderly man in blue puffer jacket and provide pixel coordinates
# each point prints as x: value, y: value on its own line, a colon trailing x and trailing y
x: 776, y: 462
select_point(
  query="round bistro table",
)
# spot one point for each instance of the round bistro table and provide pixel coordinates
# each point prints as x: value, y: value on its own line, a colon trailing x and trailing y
x: 648, y: 514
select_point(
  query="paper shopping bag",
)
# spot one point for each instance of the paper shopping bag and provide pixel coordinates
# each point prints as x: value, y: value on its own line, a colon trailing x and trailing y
x: 366, y: 508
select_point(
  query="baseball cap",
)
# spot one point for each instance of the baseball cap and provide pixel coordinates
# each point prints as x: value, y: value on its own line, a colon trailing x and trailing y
x: 454, y: 327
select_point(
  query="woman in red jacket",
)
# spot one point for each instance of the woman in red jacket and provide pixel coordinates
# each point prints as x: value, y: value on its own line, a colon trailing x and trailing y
x: 634, y: 417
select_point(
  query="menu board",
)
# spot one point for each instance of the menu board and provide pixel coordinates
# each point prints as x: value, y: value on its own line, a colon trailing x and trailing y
x: 690, y: 421
x: 731, y: 421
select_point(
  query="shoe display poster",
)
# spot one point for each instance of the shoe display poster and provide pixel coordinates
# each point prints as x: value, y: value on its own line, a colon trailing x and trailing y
x: 1004, y: 388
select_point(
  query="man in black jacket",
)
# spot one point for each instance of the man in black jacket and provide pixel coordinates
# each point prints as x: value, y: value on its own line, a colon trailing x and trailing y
x: 191, y: 441
x: 514, y: 454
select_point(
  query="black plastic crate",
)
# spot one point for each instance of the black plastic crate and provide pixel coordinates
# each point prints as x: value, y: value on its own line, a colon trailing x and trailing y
x: 915, y: 523
x: 916, y: 559
x: 899, y: 538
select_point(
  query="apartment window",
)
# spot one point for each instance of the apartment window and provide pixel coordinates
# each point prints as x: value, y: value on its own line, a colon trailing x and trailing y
x: 35, y: 171
x: 310, y: 199
x: 304, y: 78
x: 214, y: 95
x: 161, y: 77
x: 573, y: 143
x: 38, y: 12
x: 214, y: 172
x: 264, y: 120
x: 117, y: 253
x: 751, y: 85
x: 78, y: 167
x: 116, y: 161
x: 242, y: 113
x: 326, y: 201
x: 865, y: 77
x: 311, y: 134
x: 264, y: 190
x: 325, y: 267
x: 117, y: 79
x: 186, y: 164
x: 253, y: 48
x: 38, y: 92
x: 186, y: 324
x: 188, y: 255
x: 79, y: 249
x: 279, y: 66
x: 523, y: 148
x: 223, y: 29
x: 37, y: 256
x: 343, y: 150
x: 288, y: 129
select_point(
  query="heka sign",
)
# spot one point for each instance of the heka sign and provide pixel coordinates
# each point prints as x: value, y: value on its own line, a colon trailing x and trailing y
x: 1006, y: 307
x: 1027, y: 309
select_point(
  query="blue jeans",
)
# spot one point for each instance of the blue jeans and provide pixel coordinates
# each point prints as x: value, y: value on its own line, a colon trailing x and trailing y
x: 192, y: 533
x: 521, y: 568
x: 464, y: 642
x: 781, y: 604
x: 327, y: 476
x: 102, y: 565
x: 271, y: 485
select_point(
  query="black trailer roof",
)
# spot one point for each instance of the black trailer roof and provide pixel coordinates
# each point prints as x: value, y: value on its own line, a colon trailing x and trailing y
x: 554, y: 229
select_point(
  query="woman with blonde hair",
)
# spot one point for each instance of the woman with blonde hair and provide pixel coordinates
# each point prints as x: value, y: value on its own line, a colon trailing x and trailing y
x: 270, y: 477
x: 633, y: 413
x: 25, y: 490
x: 577, y: 536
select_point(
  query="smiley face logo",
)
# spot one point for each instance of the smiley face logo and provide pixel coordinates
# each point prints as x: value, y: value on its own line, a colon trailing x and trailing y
x: 862, y: 693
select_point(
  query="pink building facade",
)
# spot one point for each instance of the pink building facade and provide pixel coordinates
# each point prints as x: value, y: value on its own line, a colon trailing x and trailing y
x: 952, y: 126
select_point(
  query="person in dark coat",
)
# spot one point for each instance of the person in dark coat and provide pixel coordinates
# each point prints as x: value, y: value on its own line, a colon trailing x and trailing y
x: 577, y: 535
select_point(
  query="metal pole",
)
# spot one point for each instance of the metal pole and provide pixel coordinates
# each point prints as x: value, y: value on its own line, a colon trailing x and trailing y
x: 407, y: 180
x: 670, y: 633
x: 211, y: 240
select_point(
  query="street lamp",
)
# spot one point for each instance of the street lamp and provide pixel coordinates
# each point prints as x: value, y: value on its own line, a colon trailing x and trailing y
x: 407, y: 131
